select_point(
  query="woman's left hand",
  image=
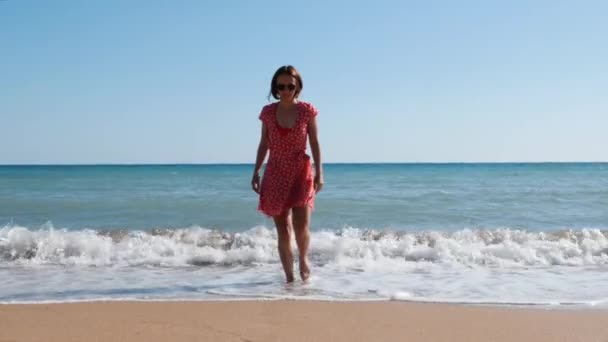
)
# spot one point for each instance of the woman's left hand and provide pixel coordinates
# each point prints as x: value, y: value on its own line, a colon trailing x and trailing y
x: 318, y: 183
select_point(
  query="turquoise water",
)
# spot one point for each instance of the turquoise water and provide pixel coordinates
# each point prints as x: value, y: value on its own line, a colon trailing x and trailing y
x: 399, y: 196
x: 530, y: 234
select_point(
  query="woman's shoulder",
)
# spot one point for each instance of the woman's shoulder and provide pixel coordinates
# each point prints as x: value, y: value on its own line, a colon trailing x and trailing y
x: 309, y: 108
x: 268, y: 106
x: 266, y: 111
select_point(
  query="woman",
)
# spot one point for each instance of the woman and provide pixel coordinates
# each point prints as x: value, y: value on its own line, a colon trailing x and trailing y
x: 288, y: 187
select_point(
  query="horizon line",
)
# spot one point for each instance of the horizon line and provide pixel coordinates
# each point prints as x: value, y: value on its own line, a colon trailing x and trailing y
x: 325, y: 163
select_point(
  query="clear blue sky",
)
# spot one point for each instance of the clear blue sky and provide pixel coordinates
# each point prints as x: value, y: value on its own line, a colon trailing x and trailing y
x: 394, y: 81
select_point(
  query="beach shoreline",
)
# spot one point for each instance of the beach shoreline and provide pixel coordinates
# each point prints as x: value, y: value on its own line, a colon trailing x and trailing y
x: 296, y: 320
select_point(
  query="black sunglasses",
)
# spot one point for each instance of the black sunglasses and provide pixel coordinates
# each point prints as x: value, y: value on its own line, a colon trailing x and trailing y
x: 290, y: 86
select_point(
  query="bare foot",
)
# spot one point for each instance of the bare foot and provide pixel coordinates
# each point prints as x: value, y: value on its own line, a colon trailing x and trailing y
x: 304, y: 270
x: 290, y: 278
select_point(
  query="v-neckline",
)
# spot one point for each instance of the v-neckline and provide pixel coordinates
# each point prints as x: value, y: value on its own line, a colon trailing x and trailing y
x: 295, y: 123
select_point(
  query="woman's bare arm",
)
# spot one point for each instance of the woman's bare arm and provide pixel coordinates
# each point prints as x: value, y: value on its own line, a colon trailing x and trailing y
x: 313, y: 138
x: 259, y: 160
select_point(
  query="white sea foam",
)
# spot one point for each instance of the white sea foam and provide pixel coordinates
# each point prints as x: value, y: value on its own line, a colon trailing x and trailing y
x: 470, y: 266
x: 350, y: 247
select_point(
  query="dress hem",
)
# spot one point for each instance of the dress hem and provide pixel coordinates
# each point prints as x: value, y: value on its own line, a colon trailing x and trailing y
x: 310, y: 205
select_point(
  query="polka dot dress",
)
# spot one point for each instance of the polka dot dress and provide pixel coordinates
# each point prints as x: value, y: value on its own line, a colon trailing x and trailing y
x: 288, y: 177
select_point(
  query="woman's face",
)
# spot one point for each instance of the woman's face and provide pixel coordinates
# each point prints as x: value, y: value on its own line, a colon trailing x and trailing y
x: 286, y: 86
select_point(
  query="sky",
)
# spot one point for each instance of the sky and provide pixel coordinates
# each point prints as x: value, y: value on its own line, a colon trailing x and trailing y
x: 113, y: 82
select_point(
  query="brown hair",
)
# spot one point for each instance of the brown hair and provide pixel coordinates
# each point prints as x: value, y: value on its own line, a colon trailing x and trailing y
x: 285, y: 70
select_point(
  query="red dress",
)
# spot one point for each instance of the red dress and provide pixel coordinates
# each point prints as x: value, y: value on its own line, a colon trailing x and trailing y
x: 288, y: 176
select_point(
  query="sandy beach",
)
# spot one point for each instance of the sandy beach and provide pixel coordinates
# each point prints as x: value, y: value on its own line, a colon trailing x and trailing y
x: 295, y: 321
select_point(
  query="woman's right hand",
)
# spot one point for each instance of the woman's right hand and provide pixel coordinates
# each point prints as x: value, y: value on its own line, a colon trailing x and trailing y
x: 255, y: 183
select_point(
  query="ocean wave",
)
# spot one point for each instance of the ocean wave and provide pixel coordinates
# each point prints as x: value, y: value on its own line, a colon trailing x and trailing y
x: 352, y: 248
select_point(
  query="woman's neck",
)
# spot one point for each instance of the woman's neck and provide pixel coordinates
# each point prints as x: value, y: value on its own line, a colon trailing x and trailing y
x: 287, y: 103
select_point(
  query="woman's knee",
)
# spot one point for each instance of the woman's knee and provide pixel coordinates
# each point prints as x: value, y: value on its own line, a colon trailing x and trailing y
x: 301, y: 219
x: 283, y: 224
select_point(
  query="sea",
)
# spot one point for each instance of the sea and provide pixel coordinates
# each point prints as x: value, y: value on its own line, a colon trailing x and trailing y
x: 512, y: 234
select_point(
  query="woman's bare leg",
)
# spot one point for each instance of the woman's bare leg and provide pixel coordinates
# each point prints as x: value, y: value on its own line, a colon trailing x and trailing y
x: 301, y: 223
x: 284, y: 229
